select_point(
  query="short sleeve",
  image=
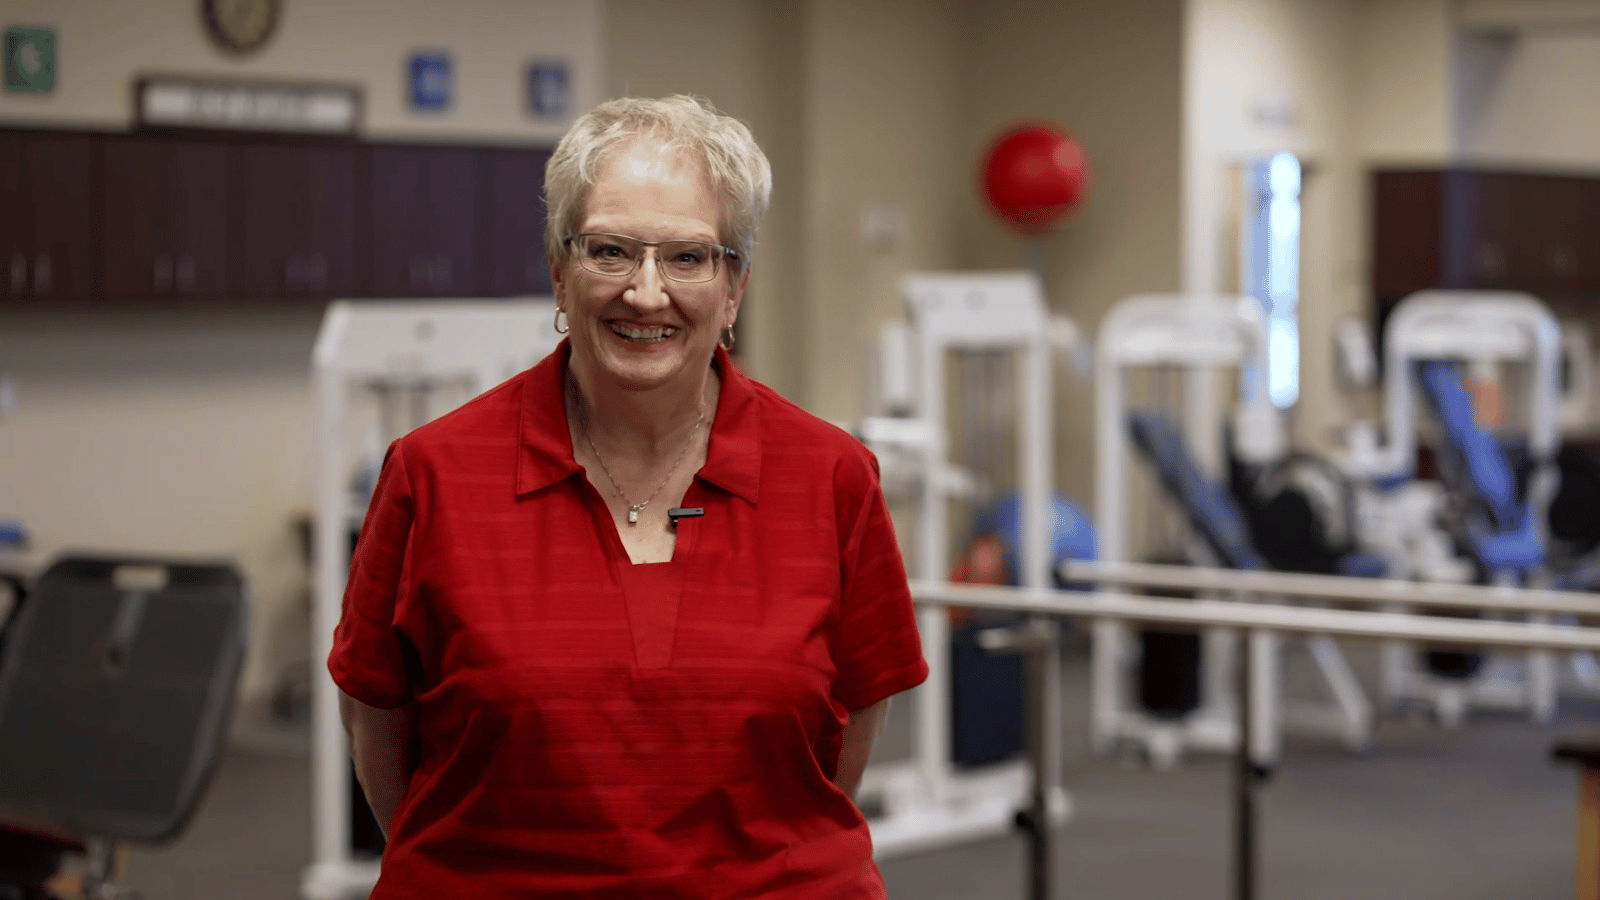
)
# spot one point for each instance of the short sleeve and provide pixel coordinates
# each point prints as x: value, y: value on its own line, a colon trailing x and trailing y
x: 879, y: 650
x: 368, y: 658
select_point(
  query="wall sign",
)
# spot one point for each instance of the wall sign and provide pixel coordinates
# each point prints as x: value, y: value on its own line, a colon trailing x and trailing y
x: 549, y: 89
x: 248, y: 106
x: 430, y: 80
x: 30, y: 59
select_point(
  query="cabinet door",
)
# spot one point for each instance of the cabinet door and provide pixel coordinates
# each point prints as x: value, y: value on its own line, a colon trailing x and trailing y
x: 423, y: 228
x: 201, y: 184
x: 1482, y: 247
x: 136, y: 242
x: 1568, y: 232
x: 63, y: 204
x: 512, y: 200
x: 1407, y: 246
x: 296, y: 231
x: 1545, y: 221
x: 13, y: 221
x: 1588, y: 242
x: 48, y: 235
x: 168, y: 207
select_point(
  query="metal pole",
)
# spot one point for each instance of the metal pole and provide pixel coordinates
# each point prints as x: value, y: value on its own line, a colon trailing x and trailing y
x: 1038, y: 639
x: 1245, y: 778
x: 1040, y: 828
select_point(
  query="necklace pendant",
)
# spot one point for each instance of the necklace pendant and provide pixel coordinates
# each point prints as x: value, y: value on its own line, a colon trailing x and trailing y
x: 633, y: 515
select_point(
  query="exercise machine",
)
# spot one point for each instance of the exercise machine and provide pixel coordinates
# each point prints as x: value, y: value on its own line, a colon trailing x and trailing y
x: 116, y: 687
x: 1428, y: 339
x: 1197, y: 336
x: 380, y: 369
x: 927, y: 801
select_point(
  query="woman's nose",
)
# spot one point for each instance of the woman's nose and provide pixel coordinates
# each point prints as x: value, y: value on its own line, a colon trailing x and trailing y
x: 649, y: 289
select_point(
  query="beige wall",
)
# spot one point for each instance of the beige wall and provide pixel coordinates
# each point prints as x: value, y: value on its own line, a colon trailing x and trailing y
x: 102, y: 46
x: 1402, y: 77
x: 880, y: 115
x: 1108, y: 72
x: 1538, y: 104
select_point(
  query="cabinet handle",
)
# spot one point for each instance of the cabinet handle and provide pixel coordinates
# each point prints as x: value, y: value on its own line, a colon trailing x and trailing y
x: 441, y: 274
x: 185, y: 273
x: 41, y: 275
x: 293, y: 274
x: 19, y: 275
x: 163, y: 273
x: 316, y: 272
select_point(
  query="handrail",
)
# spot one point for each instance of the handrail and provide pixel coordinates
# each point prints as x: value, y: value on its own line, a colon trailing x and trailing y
x: 1332, y: 587
x: 1262, y: 616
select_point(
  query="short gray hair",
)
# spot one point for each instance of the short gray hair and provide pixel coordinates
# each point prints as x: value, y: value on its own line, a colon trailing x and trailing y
x: 740, y: 174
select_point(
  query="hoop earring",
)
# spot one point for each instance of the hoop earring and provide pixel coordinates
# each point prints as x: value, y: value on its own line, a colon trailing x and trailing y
x: 557, y: 324
x: 726, y: 340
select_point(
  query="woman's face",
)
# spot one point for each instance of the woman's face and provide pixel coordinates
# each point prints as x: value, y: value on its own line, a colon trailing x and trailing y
x: 642, y: 330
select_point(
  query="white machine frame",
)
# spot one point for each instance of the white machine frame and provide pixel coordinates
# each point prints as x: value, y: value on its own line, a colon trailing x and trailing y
x: 1199, y: 334
x: 366, y: 344
x: 1475, y: 326
x: 926, y: 802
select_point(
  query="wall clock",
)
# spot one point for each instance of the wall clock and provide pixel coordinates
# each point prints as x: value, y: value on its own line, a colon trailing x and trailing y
x: 241, y: 26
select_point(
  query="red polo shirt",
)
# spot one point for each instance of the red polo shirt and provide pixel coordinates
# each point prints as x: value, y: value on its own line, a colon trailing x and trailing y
x: 596, y: 729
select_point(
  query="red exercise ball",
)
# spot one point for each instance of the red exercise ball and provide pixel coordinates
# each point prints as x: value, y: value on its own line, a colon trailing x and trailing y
x: 1033, y: 174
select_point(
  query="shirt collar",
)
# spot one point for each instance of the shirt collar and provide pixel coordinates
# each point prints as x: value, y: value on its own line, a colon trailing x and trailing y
x: 733, y: 457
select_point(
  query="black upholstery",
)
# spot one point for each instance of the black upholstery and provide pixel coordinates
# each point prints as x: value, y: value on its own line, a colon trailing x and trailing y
x: 115, y: 690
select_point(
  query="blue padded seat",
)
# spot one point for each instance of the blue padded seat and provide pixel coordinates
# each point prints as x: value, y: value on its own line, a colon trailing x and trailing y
x: 1504, y: 536
x: 1212, y: 512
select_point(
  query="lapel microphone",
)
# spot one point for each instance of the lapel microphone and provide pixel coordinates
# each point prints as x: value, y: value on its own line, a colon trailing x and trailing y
x: 685, y: 512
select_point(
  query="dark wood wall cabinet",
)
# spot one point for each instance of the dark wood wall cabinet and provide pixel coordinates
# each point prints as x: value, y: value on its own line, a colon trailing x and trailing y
x: 177, y: 216
x: 168, y: 208
x: 512, y: 260
x: 424, y: 225
x: 49, y: 218
x: 296, y: 228
x: 1480, y: 229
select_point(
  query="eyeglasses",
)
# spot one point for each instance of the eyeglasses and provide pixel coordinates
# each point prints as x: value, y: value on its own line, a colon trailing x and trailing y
x: 617, y: 256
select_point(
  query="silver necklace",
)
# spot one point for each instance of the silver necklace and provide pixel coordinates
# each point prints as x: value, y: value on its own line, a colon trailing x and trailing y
x: 634, y: 508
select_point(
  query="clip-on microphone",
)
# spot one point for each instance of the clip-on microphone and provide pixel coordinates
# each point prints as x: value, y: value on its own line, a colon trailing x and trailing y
x: 684, y: 512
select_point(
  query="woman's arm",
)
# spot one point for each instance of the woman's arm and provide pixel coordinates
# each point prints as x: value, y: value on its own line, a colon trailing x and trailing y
x: 859, y: 734
x: 381, y: 743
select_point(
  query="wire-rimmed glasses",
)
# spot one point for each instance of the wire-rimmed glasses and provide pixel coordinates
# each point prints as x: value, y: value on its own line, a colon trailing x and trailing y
x: 617, y: 256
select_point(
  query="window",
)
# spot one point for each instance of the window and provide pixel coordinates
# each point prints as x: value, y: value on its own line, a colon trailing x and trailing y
x: 1270, y: 266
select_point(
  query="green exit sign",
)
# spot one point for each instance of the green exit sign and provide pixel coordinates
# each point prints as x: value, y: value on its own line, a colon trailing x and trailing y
x: 30, y: 59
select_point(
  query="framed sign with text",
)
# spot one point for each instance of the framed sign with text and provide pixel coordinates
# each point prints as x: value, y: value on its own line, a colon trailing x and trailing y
x: 182, y: 102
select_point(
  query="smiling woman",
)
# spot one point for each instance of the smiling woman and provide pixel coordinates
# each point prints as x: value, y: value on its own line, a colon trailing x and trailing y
x: 664, y: 680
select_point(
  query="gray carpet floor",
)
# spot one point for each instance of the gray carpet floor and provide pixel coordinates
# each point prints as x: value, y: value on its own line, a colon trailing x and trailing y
x: 1479, y: 813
